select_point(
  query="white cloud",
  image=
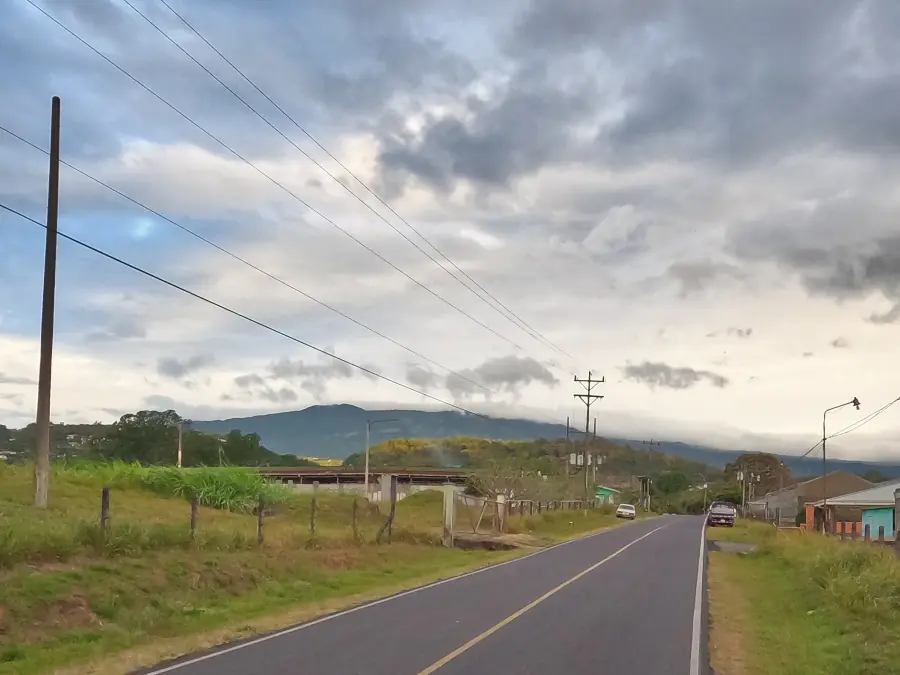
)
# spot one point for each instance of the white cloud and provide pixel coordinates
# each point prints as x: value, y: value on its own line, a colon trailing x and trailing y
x: 625, y: 222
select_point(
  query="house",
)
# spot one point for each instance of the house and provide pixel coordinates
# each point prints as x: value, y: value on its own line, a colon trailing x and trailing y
x: 784, y: 506
x: 605, y: 495
x: 876, y: 507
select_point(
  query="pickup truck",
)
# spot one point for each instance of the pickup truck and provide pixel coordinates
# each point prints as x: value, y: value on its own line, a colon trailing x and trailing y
x: 721, y: 514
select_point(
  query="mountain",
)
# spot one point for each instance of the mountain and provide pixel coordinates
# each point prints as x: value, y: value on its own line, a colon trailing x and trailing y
x: 337, y: 431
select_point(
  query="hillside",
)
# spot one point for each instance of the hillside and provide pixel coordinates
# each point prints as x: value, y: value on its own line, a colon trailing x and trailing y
x: 337, y: 431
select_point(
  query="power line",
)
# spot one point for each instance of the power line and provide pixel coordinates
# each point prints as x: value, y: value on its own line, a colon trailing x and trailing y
x: 275, y: 182
x: 506, y: 311
x: 855, y: 425
x: 240, y: 315
x: 865, y: 420
x: 200, y: 237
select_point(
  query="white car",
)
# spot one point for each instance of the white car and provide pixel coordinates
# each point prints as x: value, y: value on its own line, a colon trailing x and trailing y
x: 626, y: 511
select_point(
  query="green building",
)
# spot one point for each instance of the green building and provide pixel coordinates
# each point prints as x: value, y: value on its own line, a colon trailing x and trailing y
x: 605, y: 495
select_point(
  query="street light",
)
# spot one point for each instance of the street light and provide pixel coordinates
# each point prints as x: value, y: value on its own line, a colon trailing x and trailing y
x: 369, y: 424
x: 855, y: 404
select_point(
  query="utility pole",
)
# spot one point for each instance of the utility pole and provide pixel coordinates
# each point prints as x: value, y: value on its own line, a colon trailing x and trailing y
x: 855, y: 404
x: 588, y: 398
x: 42, y: 423
x: 180, y: 434
x: 594, y: 455
x: 650, y: 443
x: 369, y: 424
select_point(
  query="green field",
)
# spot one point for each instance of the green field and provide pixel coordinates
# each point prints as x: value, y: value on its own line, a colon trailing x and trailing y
x: 803, y: 604
x: 145, y: 590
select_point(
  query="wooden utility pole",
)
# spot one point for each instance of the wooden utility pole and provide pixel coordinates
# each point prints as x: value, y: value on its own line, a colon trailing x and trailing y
x: 588, y: 398
x: 42, y: 426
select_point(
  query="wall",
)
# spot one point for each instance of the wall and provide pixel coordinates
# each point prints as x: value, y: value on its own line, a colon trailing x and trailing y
x: 877, y: 517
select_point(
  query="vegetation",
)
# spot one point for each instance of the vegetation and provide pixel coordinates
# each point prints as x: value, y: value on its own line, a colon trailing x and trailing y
x: 73, y: 593
x: 804, y: 604
x: 151, y: 437
x: 548, y: 457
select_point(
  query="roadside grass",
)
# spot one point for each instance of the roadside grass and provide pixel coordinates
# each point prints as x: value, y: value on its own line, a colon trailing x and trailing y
x: 63, y: 617
x: 803, y: 604
x: 146, y: 591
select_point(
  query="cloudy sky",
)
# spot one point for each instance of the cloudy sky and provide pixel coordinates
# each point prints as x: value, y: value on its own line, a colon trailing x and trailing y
x: 695, y: 200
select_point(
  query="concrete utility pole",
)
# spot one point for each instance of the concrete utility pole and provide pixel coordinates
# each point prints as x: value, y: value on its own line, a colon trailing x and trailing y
x: 854, y: 403
x: 588, y: 398
x: 369, y: 424
x: 180, y: 434
x: 42, y: 423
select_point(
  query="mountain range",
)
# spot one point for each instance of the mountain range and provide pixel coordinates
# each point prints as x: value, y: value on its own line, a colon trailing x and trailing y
x: 337, y: 431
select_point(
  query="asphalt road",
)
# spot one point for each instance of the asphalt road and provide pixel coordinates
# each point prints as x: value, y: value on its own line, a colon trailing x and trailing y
x: 623, y: 601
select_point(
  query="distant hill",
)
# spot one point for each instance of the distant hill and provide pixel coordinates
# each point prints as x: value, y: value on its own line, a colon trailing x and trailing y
x: 337, y: 431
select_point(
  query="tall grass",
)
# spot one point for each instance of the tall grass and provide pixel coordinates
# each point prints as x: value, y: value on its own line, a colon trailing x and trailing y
x: 863, y: 579
x: 227, y: 488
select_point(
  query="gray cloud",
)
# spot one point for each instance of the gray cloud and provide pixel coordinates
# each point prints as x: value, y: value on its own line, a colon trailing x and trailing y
x: 506, y: 373
x: 664, y: 375
x: 174, y: 368
x: 314, y: 377
x: 806, y: 355
x: 122, y: 328
x: 421, y: 377
x: 249, y: 380
x: 840, y: 343
x: 12, y: 379
x: 740, y: 332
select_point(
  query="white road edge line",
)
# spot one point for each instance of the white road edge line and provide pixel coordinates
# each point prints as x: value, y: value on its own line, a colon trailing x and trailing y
x: 698, y: 608
x: 357, y: 608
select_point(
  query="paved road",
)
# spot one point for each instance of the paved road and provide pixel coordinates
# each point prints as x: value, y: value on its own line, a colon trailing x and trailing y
x: 623, y: 601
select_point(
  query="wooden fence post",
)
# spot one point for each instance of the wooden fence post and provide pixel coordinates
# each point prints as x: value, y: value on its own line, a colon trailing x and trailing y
x: 260, y: 509
x: 867, y: 532
x: 104, y: 511
x: 354, y: 519
x: 389, y: 523
x: 195, y: 509
x: 881, y: 534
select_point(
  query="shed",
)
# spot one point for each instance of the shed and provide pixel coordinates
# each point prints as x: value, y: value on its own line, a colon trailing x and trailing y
x: 605, y: 495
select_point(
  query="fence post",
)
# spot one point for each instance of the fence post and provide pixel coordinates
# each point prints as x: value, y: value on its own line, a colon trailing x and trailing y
x: 312, y: 509
x: 539, y: 508
x: 449, y: 515
x: 260, y: 508
x: 389, y: 523
x: 531, y: 508
x: 867, y: 532
x: 881, y: 534
x: 354, y: 519
x: 104, y: 511
x: 195, y: 509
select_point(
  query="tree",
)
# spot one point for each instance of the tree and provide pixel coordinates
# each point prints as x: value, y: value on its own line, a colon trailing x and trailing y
x: 148, y: 436
x: 671, y: 483
x: 772, y: 473
x: 5, y: 434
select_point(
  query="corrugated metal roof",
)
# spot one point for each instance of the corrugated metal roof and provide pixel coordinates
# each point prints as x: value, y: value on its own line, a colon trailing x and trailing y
x: 880, y: 495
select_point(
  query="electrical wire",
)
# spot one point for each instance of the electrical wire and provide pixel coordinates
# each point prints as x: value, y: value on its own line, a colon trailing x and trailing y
x: 275, y: 182
x: 240, y: 315
x: 855, y: 425
x: 504, y: 310
x: 865, y: 420
x: 200, y: 237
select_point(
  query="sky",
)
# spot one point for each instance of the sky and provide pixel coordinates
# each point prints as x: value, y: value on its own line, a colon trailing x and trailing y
x: 479, y: 201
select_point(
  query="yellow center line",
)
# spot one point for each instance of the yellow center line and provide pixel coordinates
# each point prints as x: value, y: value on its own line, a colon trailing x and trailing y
x: 534, y: 603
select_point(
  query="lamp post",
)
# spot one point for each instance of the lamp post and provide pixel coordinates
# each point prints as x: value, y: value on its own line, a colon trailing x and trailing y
x: 855, y: 404
x: 369, y: 424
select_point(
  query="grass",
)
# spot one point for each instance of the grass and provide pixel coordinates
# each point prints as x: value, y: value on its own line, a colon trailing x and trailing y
x: 70, y: 596
x: 803, y: 604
